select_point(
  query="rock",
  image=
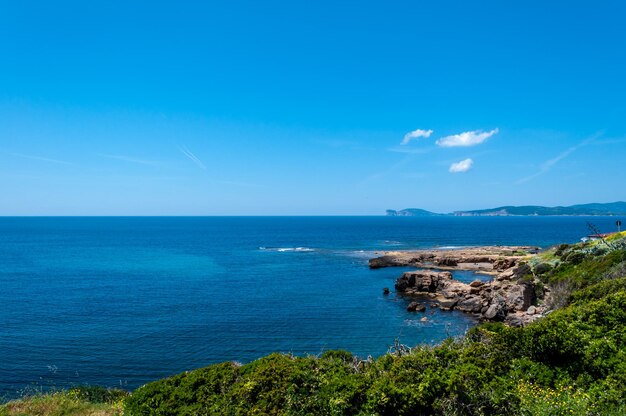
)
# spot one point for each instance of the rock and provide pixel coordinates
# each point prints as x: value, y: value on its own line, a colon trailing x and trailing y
x: 424, y: 319
x: 423, y: 281
x: 521, y: 271
x: 415, y: 307
x: 520, y: 297
x: 402, y: 285
x: 494, y: 258
x: 520, y: 319
x: 503, y: 263
x: 514, y: 320
x: 506, y: 275
x: 470, y: 304
x: 448, y: 294
x: 385, y: 261
x: 495, y: 311
x: 447, y: 262
x: 446, y: 305
x: 505, y: 298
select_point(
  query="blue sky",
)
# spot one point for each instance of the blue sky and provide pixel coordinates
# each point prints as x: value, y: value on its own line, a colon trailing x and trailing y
x: 300, y: 108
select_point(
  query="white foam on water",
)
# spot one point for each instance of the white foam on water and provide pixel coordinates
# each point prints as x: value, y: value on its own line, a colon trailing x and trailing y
x: 288, y: 249
x: 392, y: 243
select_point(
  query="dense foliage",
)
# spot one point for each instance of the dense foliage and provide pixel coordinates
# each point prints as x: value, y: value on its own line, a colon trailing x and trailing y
x: 573, y: 361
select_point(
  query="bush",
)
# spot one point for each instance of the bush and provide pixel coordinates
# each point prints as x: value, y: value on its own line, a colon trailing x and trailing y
x: 600, y: 290
x: 561, y: 250
x: 97, y: 394
x: 542, y: 268
x: 560, y: 293
x: 575, y: 257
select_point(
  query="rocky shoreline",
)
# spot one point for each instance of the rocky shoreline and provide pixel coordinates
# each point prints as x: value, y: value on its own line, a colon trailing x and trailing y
x: 510, y: 297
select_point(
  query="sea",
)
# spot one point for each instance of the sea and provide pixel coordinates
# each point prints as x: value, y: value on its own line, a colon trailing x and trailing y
x: 122, y: 301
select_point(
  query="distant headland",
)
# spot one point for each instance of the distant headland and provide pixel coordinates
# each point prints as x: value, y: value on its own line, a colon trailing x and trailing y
x: 612, y: 208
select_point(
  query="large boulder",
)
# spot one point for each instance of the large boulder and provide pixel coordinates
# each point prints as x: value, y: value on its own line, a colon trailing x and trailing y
x: 495, y: 312
x: 521, y: 270
x: 384, y: 261
x: 447, y: 304
x: 422, y: 281
x: 504, y: 263
x: 520, y: 296
x: 470, y: 304
x: 476, y: 283
x: 415, y: 307
x: 514, y: 319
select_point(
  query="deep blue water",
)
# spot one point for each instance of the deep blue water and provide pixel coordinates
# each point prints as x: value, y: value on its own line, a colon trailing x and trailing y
x: 122, y: 301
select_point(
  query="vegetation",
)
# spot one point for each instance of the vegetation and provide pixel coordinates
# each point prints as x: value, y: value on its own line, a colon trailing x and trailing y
x: 572, y: 361
x: 78, y: 401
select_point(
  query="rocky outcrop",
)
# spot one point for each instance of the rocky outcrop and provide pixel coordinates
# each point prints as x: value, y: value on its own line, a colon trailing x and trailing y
x: 506, y: 298
x: 491, y: 259
x: 415, y: 307
x: 423, y: 281
x: 519, y: 297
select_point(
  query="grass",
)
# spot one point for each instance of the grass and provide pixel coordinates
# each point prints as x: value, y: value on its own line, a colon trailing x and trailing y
x: 79, y: 401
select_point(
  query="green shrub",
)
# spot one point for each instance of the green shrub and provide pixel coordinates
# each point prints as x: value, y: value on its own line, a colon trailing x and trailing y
x: 600, y: 290
x: 561, y: 250
x: 97, y: 394
x: 575, y: 257
x: 542, y: 268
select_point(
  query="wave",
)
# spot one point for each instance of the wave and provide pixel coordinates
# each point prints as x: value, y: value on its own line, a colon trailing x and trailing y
x: 362, y: 254
x: 288, y: 249
x: 392, y: 243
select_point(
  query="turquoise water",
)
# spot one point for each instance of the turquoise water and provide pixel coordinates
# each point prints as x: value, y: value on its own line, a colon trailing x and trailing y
x: 122, y: 301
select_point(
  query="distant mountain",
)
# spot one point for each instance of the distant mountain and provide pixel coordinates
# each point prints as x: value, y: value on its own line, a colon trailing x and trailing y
x: 411, y: 212
x: 613, y: 208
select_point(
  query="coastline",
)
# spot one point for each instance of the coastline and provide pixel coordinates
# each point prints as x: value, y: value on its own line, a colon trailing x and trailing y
x: 511, y: 296
x: 558, y: 354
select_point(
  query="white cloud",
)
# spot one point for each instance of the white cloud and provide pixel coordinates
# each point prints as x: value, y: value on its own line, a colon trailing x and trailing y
x: 462, y: 166
x: 468, y: 138
x: 416, y: 134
